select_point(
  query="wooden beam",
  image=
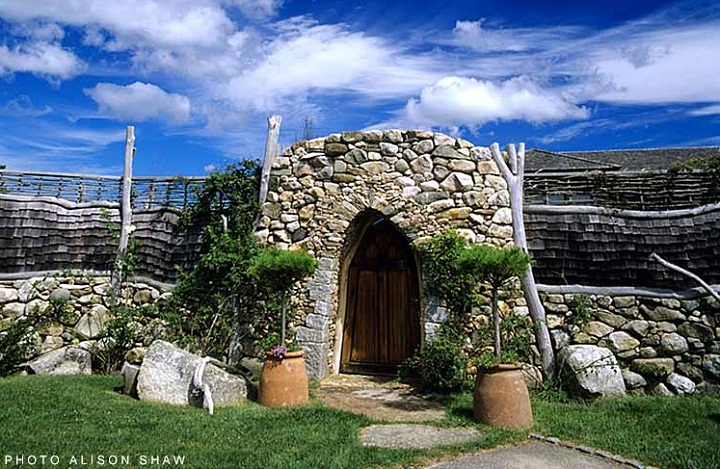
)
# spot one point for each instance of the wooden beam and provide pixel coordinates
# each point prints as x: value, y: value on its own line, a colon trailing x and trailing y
x: 514, y: 178
x: 691, y: 294
x: 591, y: 209
x: 271, y: 153
x: 125, y: 209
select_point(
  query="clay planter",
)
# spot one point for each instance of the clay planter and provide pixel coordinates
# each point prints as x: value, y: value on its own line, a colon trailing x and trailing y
x: 501, y: 398
x: 284, y: 381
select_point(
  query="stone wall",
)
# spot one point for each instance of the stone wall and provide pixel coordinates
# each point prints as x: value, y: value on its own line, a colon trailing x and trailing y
x: 87, y: 300
x: 668, y: 343
x: 422, y: 182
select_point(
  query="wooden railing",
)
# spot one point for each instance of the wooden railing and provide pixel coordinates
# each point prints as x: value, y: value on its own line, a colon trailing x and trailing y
x: 658, y: 190
x: 147, y: 192
x: 625, y: 190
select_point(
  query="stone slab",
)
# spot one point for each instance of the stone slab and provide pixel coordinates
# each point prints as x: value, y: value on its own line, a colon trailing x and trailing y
x: 415, y: 436
x: 531, y: 456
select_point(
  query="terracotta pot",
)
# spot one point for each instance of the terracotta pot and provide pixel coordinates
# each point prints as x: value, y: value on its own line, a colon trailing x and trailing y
x: 284, y: 381
x: 501, y: 398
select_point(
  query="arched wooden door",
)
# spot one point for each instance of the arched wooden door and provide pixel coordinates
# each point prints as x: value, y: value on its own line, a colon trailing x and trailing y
x: 382, y: 319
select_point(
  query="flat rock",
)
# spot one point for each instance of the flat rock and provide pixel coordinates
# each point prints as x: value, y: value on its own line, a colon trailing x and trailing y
x: 416, y: 436
x: 531, y: 456
x: 70, y: 360
x: 166, y: 376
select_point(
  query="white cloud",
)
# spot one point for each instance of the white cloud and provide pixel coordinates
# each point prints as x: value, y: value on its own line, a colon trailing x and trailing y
x: 473, y: 35
x: 23, y: 106
x: 236, y: 65
x: 141, y: 22
x: 42, y: 59
x: 458, y: 101
x: 307, y: 57
x: 712, y: 110
x: 673, y: 65
x: 140, y: 102
x: 44, y: 145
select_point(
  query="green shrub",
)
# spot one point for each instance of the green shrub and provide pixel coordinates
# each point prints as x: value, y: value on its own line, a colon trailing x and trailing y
x: 218, y: 297
x: 120, y: 335
x: 276, y: 271
x: 19, y: 342
x: 441, y: 364
x: 443, y: 276
x: 582, y: 314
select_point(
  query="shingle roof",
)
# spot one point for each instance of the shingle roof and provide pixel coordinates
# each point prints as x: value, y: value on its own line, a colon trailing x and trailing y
x: 617, y: 160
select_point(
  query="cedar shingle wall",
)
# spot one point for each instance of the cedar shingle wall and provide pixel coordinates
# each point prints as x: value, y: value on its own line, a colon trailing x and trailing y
x: 42, y: 234
x: 605, y: 250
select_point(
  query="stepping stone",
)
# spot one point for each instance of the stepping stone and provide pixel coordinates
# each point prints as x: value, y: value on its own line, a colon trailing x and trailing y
x: 531, y: 456
x: 416, y: 436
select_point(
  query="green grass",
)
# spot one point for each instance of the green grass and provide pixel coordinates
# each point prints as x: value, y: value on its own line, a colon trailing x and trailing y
x: 82, y: 415
x: 672, y: 433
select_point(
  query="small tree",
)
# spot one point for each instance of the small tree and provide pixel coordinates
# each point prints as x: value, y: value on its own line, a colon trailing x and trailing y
x: 495, y: 267
x: 277, y: 271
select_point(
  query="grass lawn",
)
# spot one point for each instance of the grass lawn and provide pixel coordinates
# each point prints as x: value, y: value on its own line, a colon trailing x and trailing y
x: 82, y: 416
x: 670, y: 433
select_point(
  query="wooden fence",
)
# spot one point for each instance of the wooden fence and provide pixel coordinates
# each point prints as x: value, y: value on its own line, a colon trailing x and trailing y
x: 147, y: 192
x: 657, y: 190
x: 624, y: 190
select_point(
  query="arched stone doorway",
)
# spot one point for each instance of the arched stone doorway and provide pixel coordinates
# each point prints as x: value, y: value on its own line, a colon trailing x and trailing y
x: 382, y: 301
x: 325, y: 193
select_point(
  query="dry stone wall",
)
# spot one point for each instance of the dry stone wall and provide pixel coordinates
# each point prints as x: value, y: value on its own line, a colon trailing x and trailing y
x: 87, y: 308
x: 422, y: 182
x: 664, y: 345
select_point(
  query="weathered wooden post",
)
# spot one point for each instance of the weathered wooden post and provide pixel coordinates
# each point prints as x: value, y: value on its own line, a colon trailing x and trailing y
x: 514, y: 175
x: 271, y: 152
x: 125, y: 211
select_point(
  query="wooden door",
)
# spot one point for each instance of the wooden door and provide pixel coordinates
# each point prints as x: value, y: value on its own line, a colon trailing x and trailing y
x: 382, y: 320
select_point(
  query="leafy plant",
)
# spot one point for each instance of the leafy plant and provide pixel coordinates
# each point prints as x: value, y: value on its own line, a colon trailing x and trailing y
x: 19, y: 342
x: 445, y: 278
x: 277, y: 271
x: 127, y: 264
x: 218, y: 295
x: 494, y: 267
x: 119, y: 336
x: 441, y: 364
x: 580, y: 306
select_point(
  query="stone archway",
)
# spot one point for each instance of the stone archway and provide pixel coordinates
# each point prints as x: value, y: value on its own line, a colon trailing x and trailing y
x: 380, y: 300
x: 420, y: 182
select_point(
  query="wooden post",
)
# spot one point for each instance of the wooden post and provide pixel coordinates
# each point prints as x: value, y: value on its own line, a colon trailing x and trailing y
x: 125, y: 210
x: 271, y: 152
x: 514, y: 176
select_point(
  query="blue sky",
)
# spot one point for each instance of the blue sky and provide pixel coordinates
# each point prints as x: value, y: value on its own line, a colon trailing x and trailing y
x: 198, y: 78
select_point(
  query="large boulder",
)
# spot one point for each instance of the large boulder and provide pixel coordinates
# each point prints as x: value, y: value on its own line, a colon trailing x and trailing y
x: 591, y: 371
x: 166, y: 376
x: 71, y: 360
